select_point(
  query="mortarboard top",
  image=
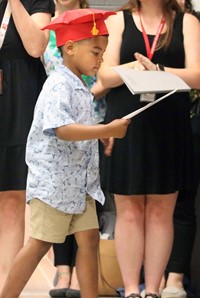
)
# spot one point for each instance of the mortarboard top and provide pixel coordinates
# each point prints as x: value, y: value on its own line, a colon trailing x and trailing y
x: 79, y: 24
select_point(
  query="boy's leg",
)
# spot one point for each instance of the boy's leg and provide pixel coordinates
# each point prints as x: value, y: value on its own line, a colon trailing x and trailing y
x: 24, y: 265
x: 87, y: 262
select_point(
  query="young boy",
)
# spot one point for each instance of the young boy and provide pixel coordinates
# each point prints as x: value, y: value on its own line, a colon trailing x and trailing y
x: 62, y: 155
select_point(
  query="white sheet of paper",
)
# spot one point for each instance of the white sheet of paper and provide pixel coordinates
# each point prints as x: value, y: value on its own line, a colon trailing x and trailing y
x: 147, y: 81
x: 138, y: 111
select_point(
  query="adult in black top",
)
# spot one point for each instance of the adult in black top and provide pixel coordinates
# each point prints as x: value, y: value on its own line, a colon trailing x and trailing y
x: 23, y: 77
x: 179, y: 265
x: 146, y: 169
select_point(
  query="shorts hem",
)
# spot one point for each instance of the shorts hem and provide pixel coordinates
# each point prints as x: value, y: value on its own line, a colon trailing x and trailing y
x: 47, y: 238
x: 82, y: 229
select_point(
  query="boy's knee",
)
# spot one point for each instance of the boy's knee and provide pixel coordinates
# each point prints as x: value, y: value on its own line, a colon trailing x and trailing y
x: 95, y: 239
x: 40, y: 247
x: 88, y: 238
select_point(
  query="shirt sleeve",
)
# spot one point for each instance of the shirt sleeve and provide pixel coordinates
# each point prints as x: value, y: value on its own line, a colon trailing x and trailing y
x: 58, y: 106
x: 47, y: 6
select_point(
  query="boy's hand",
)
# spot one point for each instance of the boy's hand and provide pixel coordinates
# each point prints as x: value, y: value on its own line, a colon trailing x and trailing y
x: 108, y: 145
x: 118, y: 127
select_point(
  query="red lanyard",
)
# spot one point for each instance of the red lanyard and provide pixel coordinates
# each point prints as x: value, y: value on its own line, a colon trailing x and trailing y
x: 150, y: 51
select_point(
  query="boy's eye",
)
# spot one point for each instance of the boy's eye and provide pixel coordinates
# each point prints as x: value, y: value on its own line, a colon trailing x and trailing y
x: 95, y: 53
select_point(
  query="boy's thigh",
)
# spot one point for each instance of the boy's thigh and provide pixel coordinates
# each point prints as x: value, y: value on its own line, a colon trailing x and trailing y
x: 51, y: 225
x: 47, y: 223
x: 85, y: 221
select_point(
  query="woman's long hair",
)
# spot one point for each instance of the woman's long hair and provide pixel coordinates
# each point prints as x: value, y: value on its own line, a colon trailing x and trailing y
x: 169, y: 7
x: 84, y: 4
x: 190, y: 9
x: 188, y: 6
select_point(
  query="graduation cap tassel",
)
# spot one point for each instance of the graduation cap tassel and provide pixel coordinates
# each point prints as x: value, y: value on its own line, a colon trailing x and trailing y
x: 94, y: 30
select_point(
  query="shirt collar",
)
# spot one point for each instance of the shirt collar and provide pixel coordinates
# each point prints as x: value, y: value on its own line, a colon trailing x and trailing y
x: 77, y: 83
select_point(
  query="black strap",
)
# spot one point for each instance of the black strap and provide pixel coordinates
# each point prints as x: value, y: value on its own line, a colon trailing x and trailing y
x: 151, y: 295
x: 133, y: 295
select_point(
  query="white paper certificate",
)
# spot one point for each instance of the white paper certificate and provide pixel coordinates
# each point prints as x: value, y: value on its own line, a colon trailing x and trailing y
x: 148, y: 81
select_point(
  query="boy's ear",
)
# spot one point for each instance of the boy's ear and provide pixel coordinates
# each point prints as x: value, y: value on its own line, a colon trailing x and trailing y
x: 69, y: 47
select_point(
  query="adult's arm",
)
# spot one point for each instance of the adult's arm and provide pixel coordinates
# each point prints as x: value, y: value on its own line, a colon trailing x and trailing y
x: 29, y: 28
x: 109, y: 78
x: 191, y: 36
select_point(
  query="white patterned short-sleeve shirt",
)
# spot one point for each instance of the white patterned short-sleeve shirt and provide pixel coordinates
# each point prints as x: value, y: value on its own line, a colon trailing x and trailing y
x: 60, y: 173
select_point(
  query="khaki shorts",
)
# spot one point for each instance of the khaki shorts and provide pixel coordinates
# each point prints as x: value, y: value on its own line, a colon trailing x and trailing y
x: 51, y: 225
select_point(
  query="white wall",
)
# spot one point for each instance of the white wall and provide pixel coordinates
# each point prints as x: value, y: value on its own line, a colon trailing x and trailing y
x: 196, y: 4
x: 107, y: 4
x: 113, y: 4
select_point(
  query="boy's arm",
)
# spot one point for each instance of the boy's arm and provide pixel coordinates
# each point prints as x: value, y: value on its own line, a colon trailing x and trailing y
x: 79, y: 132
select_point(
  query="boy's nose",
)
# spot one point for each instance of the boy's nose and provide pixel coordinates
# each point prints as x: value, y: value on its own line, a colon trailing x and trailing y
x: 100, y: 60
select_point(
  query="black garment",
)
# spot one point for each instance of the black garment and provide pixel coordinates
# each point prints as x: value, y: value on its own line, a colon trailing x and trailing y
x: 185, y: 221
x: 155, y: 156
x: 184, y: 233
x: 23, y: 77
x: 65, y: 253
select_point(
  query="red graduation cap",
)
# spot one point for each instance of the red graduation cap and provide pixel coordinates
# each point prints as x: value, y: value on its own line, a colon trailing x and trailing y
x: 79, y: 24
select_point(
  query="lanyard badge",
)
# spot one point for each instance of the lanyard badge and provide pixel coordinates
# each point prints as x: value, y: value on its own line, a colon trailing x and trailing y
x: 149, y: 97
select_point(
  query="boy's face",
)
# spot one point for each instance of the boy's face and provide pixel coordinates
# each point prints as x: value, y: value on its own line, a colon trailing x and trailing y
x: 85, y: 57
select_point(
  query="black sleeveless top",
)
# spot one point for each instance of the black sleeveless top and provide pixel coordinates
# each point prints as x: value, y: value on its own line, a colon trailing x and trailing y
x: 155, y: 157
x: 23, y: 78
